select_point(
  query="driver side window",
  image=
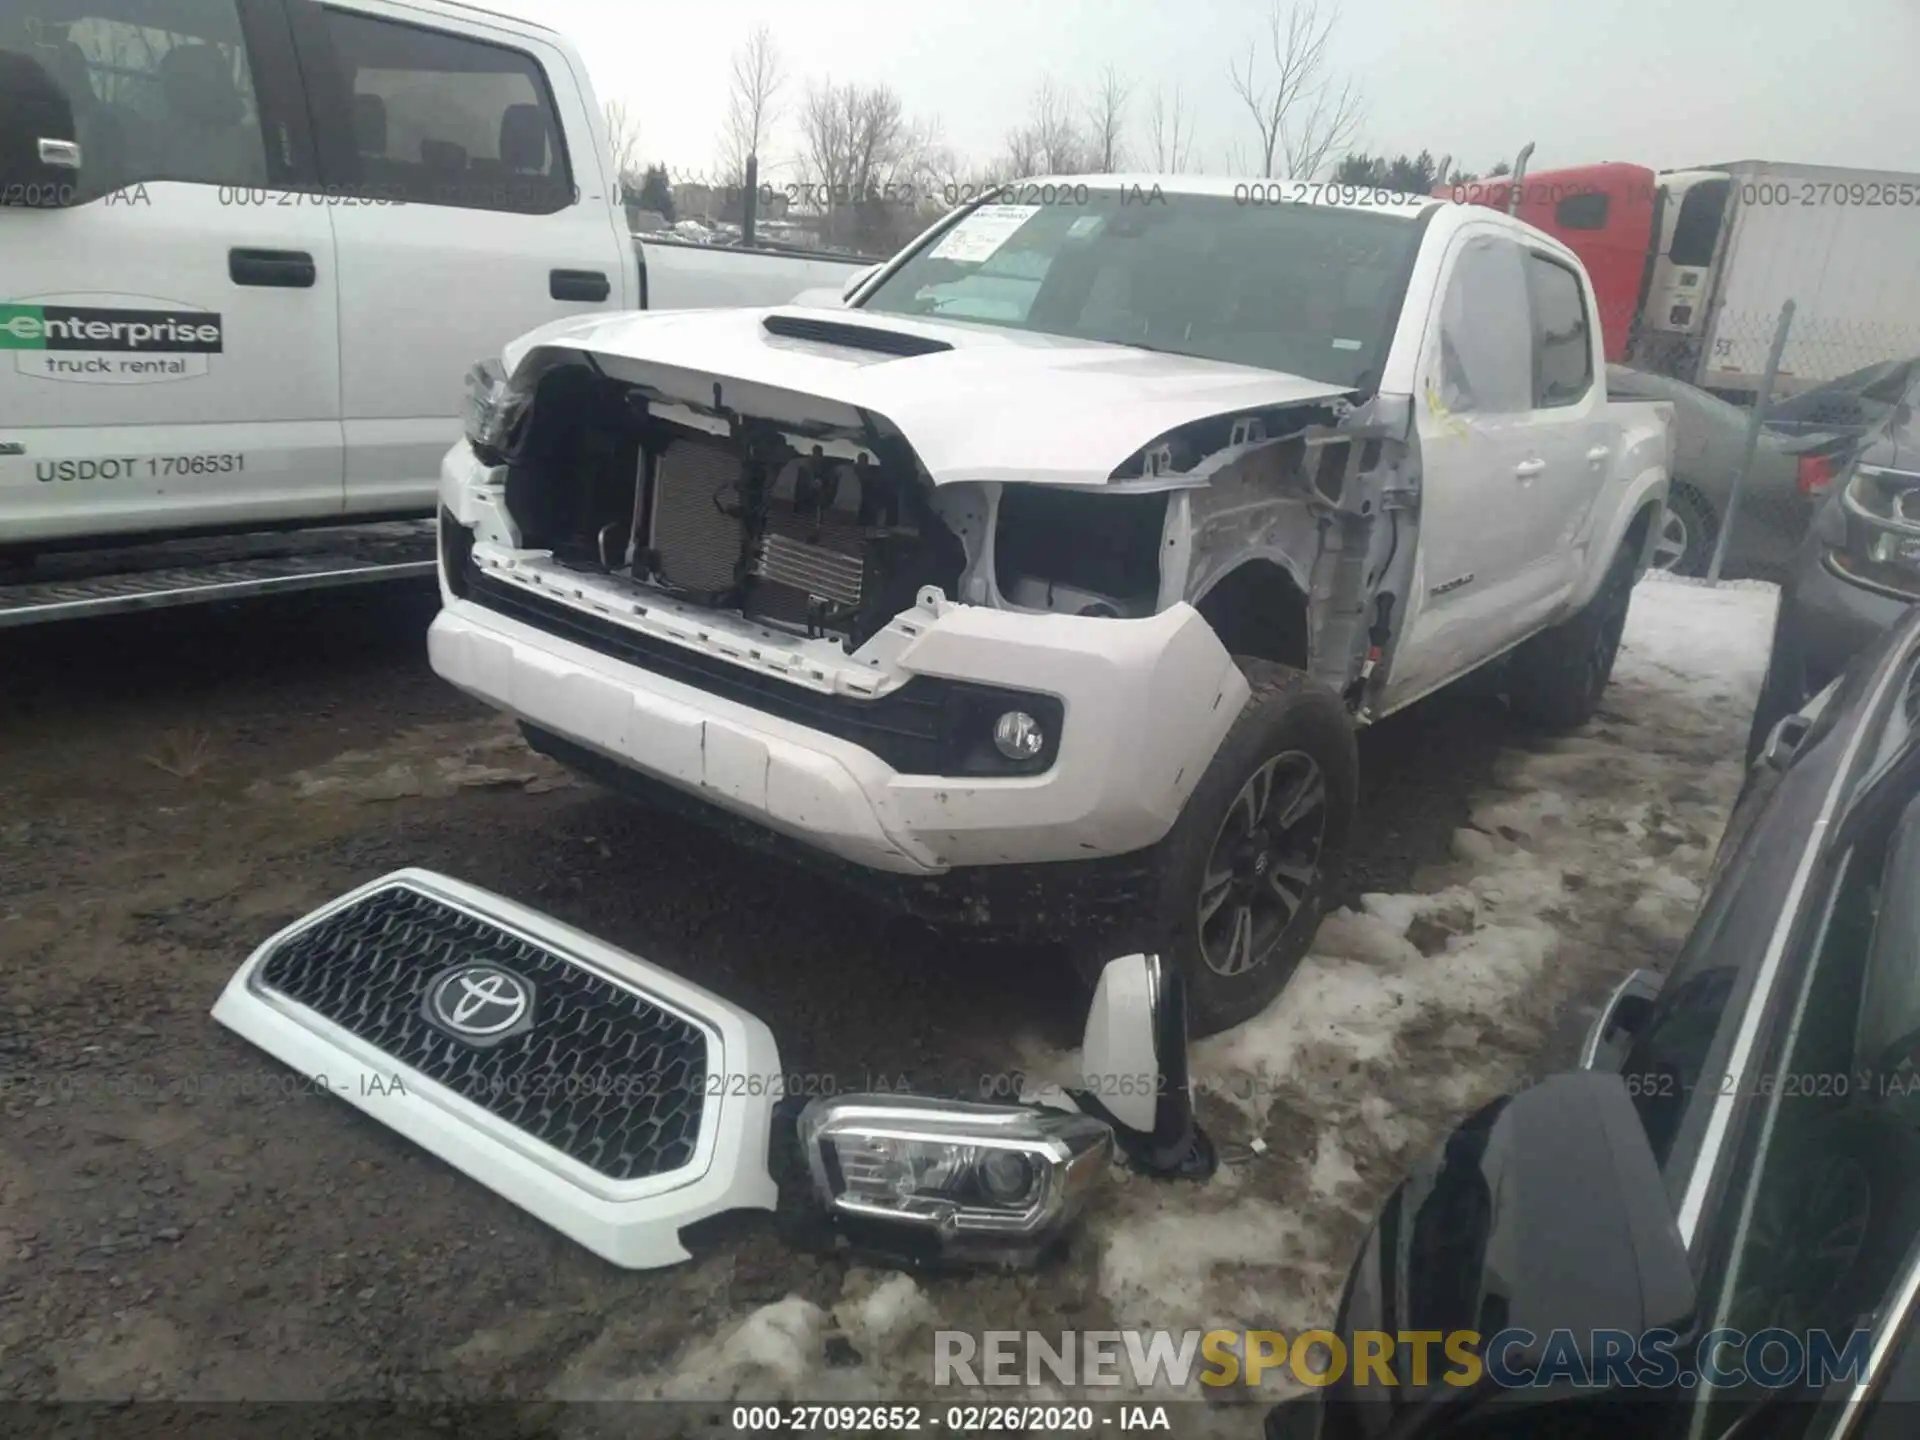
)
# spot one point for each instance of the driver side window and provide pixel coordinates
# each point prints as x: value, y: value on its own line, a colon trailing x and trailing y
x: 1486, y: 330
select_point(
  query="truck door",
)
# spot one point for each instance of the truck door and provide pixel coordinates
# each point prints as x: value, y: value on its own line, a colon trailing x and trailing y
x: 168, y: 331
x: 1477, y: 463
x: 1569, y: 428
x: 471, y: 208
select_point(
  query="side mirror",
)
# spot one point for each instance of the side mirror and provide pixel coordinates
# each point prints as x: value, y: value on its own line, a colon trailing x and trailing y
x: 1133, y: 1068
x: 859, y: 278
x: 1544, y: 1213
x: 39, y: 151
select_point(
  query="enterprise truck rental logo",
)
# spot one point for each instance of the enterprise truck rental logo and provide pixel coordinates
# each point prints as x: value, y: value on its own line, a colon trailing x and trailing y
x: 129, y: 341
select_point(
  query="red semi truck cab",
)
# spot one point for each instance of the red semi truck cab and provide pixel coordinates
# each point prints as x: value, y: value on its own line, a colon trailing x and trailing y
x: 1604, y: 213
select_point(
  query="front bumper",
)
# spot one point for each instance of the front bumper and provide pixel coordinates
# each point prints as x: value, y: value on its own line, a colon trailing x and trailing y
x: 1146, y: 704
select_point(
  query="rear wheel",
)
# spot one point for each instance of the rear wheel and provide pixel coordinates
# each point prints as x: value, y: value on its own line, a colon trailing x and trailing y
x: 1556, y: 678
x: 1244, y: 875
x: 1688, y: 529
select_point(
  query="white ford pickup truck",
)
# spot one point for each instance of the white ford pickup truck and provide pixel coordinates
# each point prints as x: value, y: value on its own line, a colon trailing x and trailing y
x: 1045, y: 582
x: 247, y: 248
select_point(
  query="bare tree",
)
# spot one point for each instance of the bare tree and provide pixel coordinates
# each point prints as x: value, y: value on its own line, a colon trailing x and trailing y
x: 753, y: 103
x: 860, y: 157
x: 623, y: 137
x: 1169, y: 132
x: 1050, y: 142
x: 1106, y: 123
x: 1301, y: 115
x: 1022, y: 153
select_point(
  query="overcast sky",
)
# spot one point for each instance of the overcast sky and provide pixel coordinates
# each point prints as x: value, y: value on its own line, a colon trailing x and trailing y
x: 1660, y: 82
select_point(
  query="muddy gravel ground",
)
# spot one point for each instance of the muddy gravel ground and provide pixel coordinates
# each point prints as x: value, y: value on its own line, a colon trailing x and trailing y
x: 180, y: 1219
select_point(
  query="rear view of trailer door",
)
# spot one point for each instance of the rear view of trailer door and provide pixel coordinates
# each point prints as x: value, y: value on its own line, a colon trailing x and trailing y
x: 1844, y: 246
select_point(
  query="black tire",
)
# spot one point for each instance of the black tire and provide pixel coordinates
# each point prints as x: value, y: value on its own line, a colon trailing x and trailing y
x: 1555, y: 680
x: 1290, y: 730
x: 1690, y: 524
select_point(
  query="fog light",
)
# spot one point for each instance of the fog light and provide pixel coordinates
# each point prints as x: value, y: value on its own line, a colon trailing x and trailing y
x: 952, y: 1179
x: 1018, y: 736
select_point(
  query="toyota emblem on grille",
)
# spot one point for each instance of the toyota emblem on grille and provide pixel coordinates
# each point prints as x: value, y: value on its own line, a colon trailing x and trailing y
x: 481, y: 1003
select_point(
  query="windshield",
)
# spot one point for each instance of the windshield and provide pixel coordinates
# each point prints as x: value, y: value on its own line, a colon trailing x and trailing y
x: 1309, y: 290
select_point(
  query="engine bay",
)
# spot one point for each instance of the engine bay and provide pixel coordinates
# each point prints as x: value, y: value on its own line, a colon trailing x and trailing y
x: 808, y: 528
x: 814, y: 519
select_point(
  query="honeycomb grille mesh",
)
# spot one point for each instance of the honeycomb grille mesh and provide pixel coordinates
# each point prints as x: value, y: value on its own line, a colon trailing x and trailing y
x: 697, y: 546
x: 601, y: 1075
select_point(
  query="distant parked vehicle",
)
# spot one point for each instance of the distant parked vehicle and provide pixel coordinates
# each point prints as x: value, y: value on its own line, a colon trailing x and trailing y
x: 1709, y: 446
x: 1845, y: 411
x: 262, y: 330
x: 1691, y: 266
x: 1856, y: 573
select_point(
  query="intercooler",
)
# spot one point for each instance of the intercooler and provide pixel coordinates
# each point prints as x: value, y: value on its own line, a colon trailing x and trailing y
x: 812, y: 552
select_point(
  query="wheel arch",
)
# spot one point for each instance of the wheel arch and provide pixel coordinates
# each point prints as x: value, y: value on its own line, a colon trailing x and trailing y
x: 1260, y: 609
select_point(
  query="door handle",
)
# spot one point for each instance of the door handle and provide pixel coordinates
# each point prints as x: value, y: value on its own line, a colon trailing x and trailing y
x: 578, y: 285
x: 1527, y: 469
x: 1599, y: 453
x: 285, y: 269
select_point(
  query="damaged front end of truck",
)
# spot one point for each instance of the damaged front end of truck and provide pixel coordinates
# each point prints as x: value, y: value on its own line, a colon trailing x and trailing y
x: 815, y: 534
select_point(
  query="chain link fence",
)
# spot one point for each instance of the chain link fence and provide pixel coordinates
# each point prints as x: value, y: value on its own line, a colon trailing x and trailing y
x: 867, y: 219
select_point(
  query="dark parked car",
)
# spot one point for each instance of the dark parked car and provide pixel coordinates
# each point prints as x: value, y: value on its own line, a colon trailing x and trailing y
x: 1857, y: 570
x: 1853, y: 405
x: 1709, y: 446
x: 1740, y: 1151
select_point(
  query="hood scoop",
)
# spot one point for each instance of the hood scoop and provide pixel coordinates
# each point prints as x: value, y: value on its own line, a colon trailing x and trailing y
x: 852, y: 337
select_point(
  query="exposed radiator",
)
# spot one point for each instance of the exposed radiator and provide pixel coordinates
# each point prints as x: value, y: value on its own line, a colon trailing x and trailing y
x: 697, y: 545
x: 810, y: 555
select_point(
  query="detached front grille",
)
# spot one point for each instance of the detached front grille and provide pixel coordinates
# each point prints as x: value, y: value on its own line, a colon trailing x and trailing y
x: 592, y: 1069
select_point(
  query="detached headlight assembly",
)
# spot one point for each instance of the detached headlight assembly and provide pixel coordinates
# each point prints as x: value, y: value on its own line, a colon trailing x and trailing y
x: 931, y: 1179
x: 1882, y: 508
x: 490, y: 411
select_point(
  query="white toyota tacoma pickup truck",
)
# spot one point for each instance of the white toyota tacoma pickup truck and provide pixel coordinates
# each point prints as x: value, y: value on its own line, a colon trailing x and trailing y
x: 1045, y: 581
x: 247, y: 248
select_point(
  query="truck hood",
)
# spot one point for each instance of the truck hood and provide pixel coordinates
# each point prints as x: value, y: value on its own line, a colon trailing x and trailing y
x: 987, y: 404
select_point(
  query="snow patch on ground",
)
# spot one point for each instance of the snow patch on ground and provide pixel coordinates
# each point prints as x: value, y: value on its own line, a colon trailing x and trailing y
x: 1583, y: 859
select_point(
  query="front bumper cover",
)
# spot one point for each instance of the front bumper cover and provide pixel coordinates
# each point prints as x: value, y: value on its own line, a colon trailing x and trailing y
x: 1146, y: 703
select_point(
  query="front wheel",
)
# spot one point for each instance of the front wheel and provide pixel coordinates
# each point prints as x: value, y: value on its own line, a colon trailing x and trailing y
x: 1245, y: 873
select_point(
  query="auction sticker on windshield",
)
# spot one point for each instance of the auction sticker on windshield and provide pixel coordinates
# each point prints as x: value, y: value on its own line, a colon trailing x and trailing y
x: 976, y: 238
x: 109, y: 339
